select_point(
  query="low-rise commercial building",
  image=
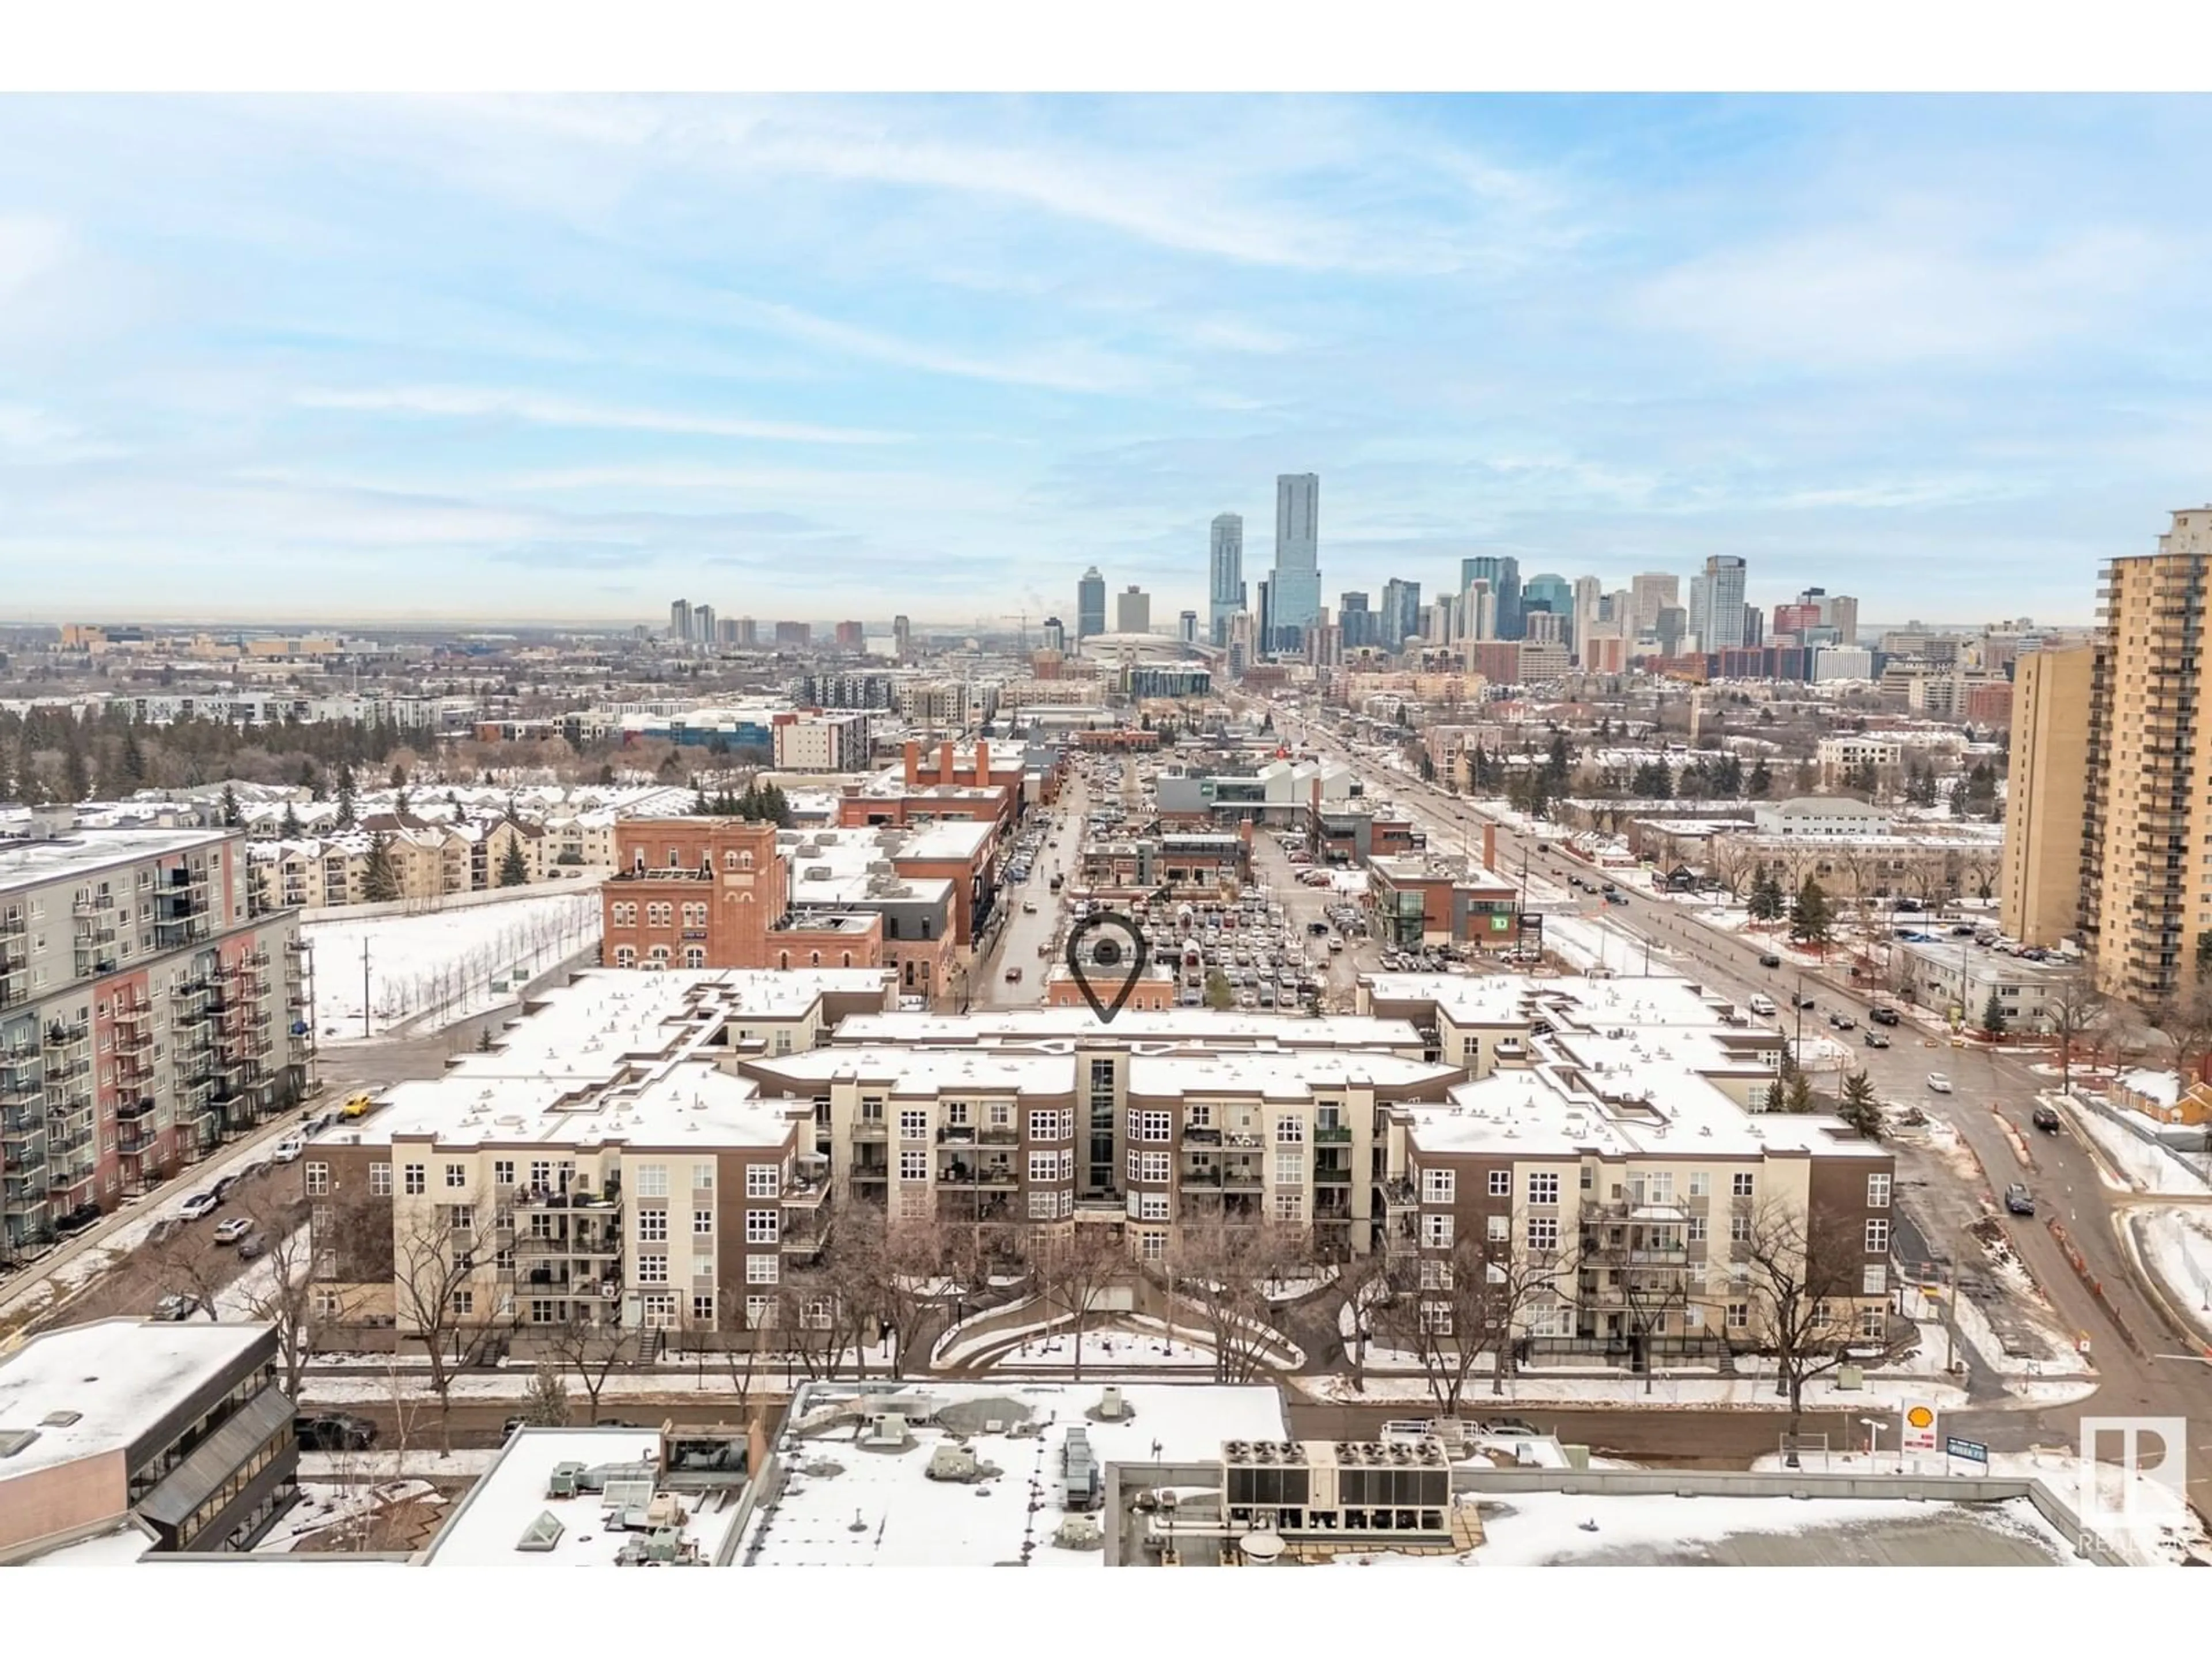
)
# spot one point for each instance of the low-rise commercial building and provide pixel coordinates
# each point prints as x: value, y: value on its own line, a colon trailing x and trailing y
x: 1417, y: 901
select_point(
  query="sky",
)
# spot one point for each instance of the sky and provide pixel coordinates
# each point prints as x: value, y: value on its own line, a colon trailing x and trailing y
x: 548, y: 358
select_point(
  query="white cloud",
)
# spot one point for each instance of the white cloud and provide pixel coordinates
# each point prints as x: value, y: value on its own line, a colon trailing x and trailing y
x: 1060, y: 368
x: 29, y: 249
x: 538, y: 410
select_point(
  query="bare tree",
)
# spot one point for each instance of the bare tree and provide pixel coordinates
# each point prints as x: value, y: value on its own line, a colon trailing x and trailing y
x: 1225, y: 1271
x: 1073, y: 1271
x: 2185, y: 1021
x: 1805, y: 1274
x: 283, y: 1292
x: 1452, y: 1307
x: 743, y: 1362
x: 440, y: 1296
x: 593, y: 1348
x: 917, y: 1259
x: 1729, y: 863
x: 1645, y: 1264
x: 2075, y: 1011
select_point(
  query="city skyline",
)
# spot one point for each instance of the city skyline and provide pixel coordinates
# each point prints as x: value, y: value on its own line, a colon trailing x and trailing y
x: 1917, y: 340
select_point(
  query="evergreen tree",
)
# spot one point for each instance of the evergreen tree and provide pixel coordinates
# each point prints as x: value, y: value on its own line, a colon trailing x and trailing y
x: 1797, y: 1093
x: 1428, y: 768
x: 311, y: 780
x: 1220, y: 993
x: 1767, y: 902
x: 232, y: 817
x: 1859, y: 1108
x: 1761, y: 783
x: 700, y: 807
x: 399, y: 776
x: 514, y: 871
x: 606, y: 776
x: 288, y: 826
x: 345, y: 796
x: 1814, y: 922
x: 134, y: 760
x: 1994, y: 1020
x: 1558, y: 762
x: 380, y: 875
x: 76, y: 774
x: 1728, y: 776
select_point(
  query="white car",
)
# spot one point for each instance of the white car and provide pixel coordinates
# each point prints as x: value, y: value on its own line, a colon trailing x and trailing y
x: 288, y: 1149
x: 198, y: 1205
x: 1938, y: 1083
x: 233, y: 1229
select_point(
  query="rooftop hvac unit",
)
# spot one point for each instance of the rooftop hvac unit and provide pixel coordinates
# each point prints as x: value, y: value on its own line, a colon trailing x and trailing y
x: 564, y: 1483
x: 1111, y: 1407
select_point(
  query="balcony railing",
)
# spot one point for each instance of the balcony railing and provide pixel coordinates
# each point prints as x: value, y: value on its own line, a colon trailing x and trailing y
x: 1332, y: 1135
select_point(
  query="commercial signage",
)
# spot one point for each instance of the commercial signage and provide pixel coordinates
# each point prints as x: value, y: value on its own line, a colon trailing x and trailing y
x: 1919, y: 1428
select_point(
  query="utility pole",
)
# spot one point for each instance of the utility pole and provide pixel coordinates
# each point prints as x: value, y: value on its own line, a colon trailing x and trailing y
x: 364, y: 987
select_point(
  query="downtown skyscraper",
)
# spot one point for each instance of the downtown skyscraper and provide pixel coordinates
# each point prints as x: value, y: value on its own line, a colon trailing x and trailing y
x: 1716, y: 603
x: 1295, y: 587
x: 1225, y: 578
x: 1503, y: 575
x: 1089, y: 605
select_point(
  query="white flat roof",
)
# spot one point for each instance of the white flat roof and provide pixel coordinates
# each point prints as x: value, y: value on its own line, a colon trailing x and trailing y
x: 1132, y: 1025
x: 84, y: 852
x: 907, y: 1520
x: 485, y: 1528
x: 118, y: 1375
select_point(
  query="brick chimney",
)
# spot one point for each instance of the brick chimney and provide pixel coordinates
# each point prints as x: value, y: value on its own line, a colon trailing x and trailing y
x: 944, y: 762
x: 1490, y: 847
x: 983, y: 763
x: 913, y: 760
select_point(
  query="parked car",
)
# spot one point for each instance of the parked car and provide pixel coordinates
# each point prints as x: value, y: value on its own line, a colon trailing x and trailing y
x: 199, y: 1205
x: 2019, y: 1199
x: 618, y: 1423
x: 1770, y: 960
x: 334, y: 1431
x: 1938, y: 1083
x: 226, y: 1185
x: 1803, y: 999
x: 1876, y: 1040
x: 1029, y: 907
x: 1511, y: 1426
x: 2047, y: 1119
x: 175, y: 1309
x: 1763, y: 1006
x: 230, y: 1232
x: 506, y: 1429
x: 1013, y: 976
x: 77, y: 1220
x: 288, y: 1149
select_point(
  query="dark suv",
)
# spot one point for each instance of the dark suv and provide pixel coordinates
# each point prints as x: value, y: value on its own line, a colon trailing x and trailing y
x: 1882, y: 1016
x: 334, y: 1431
x: 2045, y: 1118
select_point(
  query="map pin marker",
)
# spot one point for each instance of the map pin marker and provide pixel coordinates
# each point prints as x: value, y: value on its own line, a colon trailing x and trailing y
x: 1117, y: 953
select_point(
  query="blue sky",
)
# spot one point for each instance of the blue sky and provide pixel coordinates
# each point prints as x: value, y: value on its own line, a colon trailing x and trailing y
x: 547, y: 358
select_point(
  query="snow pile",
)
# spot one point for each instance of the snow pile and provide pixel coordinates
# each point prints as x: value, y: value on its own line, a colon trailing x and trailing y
x: 2141, y: 1166
x: 2177, y: 1245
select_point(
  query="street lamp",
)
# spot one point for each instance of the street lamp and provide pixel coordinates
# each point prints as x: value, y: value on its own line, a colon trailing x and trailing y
x: 1873, y: 1426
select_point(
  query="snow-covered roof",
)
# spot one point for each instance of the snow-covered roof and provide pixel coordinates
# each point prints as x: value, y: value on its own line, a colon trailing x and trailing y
x: 112, y: 1379
x: 1166, y: 1025
x: 2160, y: 1087
x: 488, y: 1528
x: 911, y: 1520
x: 84, y: 852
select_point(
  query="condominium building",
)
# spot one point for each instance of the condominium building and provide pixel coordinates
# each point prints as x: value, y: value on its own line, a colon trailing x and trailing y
x: 2144, y: 773
x: 2042, y: 892
x: 145, y: 1014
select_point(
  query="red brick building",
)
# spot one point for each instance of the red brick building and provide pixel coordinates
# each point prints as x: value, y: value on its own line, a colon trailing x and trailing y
x: 715, y: 892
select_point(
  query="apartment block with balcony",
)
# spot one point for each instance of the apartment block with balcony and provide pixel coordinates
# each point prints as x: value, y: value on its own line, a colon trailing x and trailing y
x: 145, y: 1014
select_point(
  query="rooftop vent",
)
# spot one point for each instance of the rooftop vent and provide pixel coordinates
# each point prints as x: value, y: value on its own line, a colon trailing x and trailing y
x: 539, y: 1537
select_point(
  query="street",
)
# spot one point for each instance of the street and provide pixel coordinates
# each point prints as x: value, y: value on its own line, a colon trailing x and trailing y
x: 2164, y: 1375
x: 1024, y: 932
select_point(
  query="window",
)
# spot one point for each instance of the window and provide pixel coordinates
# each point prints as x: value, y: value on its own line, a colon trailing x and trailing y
x: 1739, y: 1229
x: 762, y: 1269
x: 1435, y: 1275
x: 1543, y: 1233
x: 625, y: 915
x: 461, y: 1218
x: 1290, y: 1206
x: 914, y: 1166
x: 1152, y: 1126
x: 625, y: 955
x: 1151, y: 1166
x: 414, y: 1179
x: 380, y: 1181
x: 760, y: 1313
x: 1497, y: 1228
x: 914, y: 1126
x: 1877, y: 1191
x: 703, y: 1177
x: 1043, y: 1165
x: 1199, y: 1117
x: 1543, y: 1188
x: 1290, y: 1131
x: 761, y: 1226
x: 764, y: 1179
x: 1437, y: 1232
x: 1048, y: 1125
x: 1501, y: 1184
x: 653, y: 1181
x: 657, y: 1312
x: 1152, y: 1207
x: 1439, y: 1186
x: 318, y: 1179
x: 465, y: 1303
x: 1877, y: 1238
x: 652, y: 1226
x: 1873, y: 1278
x: 1290, y: 1169
x: 703, y: 1311
x: 1739, y: 1316
x: 1701, y: 1183
x: 1002, y: 1115
x: 702, y: 1224
x: 1697, y: 1229
x: 1740, y: 1184
x: 653, y: 1268
x: 1873, y: 1323
x: 502, y: 1172
x: 695, y: 956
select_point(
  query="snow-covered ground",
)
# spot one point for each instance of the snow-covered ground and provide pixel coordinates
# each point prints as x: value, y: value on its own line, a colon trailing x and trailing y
x: 440, y: 967
x: 773, y: 1374
x: 322, y: 1507
x: 1718, y: 1394
x: 2056, y: 1356
x: 2143, y: 1168
x: 2177, y: 1244
x: 1106, y: 1350
x: 418, y: 1462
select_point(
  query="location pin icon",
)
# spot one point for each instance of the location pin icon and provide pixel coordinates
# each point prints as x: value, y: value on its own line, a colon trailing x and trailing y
x: 1106, y: 954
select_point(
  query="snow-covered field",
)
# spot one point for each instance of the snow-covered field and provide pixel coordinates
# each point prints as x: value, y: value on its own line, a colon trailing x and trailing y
x: 2144, y: 1168
x: 440, y: 967
x: 2176, y: 1245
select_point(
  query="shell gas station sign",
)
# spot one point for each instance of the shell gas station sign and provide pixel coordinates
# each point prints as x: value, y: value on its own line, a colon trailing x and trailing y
x: 1917, y: 1428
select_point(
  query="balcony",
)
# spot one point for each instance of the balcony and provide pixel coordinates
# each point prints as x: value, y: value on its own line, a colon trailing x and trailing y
x: 1399, y: 1196
x: 1002, y: 1135
x: 539, y: 1198
x: 870, y: 1129
x: 1338, y: 1134
x: 953, y: 1135
x: 131, y: 1110
x: 1241, y: 1181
